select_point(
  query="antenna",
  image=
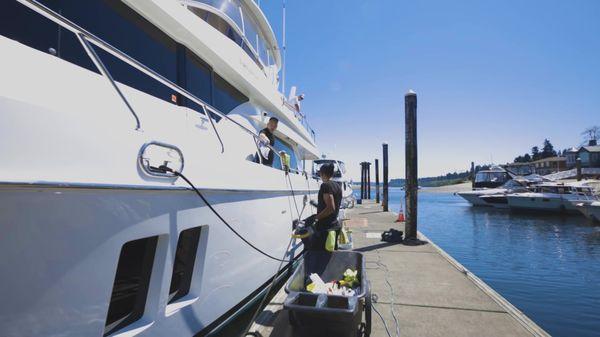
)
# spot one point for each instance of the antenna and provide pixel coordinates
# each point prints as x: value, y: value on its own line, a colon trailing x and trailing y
x: 284, y: 50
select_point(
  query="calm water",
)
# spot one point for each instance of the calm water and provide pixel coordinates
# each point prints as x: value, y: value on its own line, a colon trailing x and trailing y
x: 547, y: 266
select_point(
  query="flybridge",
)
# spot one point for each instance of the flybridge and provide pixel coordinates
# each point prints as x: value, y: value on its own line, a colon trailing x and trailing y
x: 244, y: 23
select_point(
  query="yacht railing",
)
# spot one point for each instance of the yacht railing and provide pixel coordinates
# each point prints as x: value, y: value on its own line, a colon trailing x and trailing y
x: 301, y: 117
x: 86, y: 39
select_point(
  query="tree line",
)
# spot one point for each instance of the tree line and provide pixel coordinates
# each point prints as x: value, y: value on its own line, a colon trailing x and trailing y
x: 591, y: 133
x: 547, y: 151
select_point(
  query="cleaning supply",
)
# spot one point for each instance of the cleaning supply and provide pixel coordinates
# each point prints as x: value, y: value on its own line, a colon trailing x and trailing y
x: 343, y: 287
x: 330, y: 242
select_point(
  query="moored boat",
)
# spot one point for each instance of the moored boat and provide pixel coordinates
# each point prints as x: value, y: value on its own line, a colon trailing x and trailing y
x: 554, y: 197
x: 101, y: 102
x: 495, y: 197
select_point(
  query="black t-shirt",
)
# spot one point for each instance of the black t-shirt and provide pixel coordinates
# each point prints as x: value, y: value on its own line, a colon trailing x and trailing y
x: 269, y: 161
x: 333, y: 188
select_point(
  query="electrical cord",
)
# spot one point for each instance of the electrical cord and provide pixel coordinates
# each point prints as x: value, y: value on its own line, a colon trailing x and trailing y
x: 287, y: 174
x: 165, y: 169
x: 387, y: 281
x: 374, y: 300
x: 267, y: 292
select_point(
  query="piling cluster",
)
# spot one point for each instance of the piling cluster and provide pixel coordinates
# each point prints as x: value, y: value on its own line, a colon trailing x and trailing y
x: 411, y: 178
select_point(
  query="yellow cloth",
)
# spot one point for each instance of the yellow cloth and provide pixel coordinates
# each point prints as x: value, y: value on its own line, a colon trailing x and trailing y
x: 330, y: 242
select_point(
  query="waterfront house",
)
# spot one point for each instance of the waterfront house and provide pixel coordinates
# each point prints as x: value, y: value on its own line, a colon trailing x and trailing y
x: 590, y: 155
x: 550, y: 165
x: 571, y: 156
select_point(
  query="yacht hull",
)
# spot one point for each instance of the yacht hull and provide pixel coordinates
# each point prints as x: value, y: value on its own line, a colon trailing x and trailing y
x: 537, y: 202
x: 60, y: 248
x: 473, y: 198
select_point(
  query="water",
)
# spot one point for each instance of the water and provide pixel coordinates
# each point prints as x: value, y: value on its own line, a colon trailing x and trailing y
x: 547, y: 266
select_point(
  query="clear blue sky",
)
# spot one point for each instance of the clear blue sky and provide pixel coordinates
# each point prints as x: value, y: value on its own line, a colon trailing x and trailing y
x: 493, y: 78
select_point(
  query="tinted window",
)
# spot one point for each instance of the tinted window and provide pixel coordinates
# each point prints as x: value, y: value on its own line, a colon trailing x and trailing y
x: 20, y: 23
x: 119, y: 25
x: 122, y: 27
x: 226, y: 97
x: 283, y: 146
x: 198, y: 79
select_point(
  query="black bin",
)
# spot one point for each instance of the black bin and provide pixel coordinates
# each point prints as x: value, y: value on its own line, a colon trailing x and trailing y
x: 328, y: 315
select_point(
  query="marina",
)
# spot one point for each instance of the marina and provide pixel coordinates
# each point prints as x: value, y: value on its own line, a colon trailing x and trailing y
x: 161, y: 177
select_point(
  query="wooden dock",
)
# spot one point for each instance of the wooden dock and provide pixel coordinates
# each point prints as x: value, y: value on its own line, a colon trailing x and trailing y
x: 421, y: 290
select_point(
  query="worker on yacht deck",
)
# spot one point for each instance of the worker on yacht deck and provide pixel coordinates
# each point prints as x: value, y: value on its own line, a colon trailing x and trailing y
x: 295, y: 102
x: 266, y: 137
x: 329, y: 200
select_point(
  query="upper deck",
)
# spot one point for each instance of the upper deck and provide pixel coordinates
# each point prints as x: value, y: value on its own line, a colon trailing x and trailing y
x: 244, y: 23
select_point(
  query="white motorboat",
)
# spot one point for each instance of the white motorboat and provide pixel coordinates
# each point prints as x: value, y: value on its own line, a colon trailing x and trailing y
x: 104, y: 105
x: 495, y: 197
x: 557, y: 197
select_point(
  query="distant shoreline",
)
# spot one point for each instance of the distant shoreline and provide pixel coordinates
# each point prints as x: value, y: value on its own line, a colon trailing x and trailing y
x: 450, y: 188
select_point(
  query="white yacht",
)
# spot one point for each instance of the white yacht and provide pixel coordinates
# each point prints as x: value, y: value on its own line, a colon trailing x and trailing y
x: 348, y: 199
x: 558, y: 197
x: 496, y: 197
x: 107, y: 107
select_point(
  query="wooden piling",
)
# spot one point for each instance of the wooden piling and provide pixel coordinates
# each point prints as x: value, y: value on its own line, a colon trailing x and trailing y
x: 377, y: 181
x: 410, y: 115
x: 368, y: 165
x: 385, y: 178
x: 578, y: 165
x: 362, y: 180
x: 472, y: 172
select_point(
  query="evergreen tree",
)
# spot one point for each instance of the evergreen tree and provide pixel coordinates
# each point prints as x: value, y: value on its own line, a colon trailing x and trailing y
x: 535, y: 153
x: 526, y: 158
x: 548, y: 150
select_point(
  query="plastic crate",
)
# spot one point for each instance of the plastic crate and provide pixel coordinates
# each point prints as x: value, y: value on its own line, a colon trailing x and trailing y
x: 328, y: 315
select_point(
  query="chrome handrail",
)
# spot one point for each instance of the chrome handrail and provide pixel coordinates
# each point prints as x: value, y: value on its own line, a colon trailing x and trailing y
x: 86, y: 37
x: 104, y: 71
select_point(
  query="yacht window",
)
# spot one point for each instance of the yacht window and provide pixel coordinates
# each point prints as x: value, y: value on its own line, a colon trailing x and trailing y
x: 119, y: 25
x: 226, y: 97
x: 280, y: 145
x: 130, y: 287
x: 481, y: 177
x: 342, y: 167
x: 110, y: 20
x: 198, y: 79
x: 218, y: 23
x: 183, y: 266
x: 21, y: 24
x: 550, y: 189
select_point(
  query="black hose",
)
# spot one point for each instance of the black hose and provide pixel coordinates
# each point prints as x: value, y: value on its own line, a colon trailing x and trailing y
x: 294, y: 196
x: 167, y: 169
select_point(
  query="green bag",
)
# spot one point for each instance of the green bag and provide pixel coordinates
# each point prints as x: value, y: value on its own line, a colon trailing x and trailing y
x: 330, y: 242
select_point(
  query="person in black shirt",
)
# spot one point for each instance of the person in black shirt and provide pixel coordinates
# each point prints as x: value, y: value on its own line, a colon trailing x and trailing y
x: 267, y: 137
x: 330, y: 198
